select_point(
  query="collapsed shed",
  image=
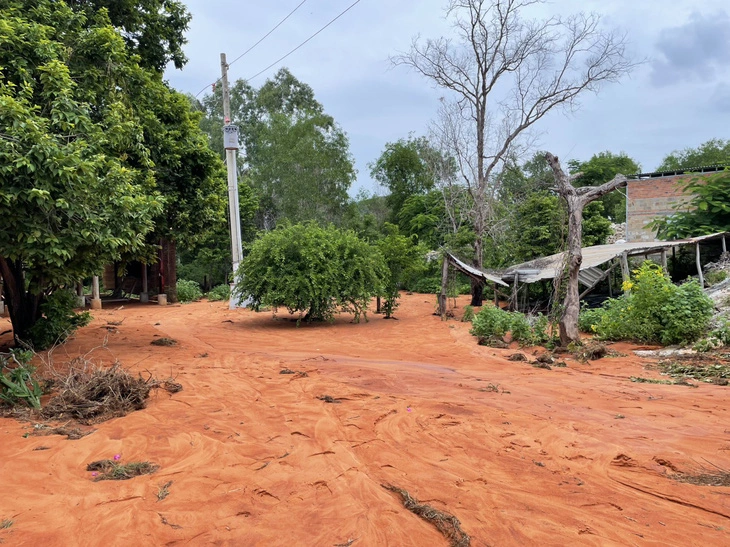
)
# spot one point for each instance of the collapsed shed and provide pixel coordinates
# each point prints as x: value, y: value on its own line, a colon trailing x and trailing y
x: 598, y: 263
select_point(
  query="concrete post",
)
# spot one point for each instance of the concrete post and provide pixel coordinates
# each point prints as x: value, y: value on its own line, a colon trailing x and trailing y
x: 625, y: 273
x: 664, y: 260
x: 95, y: 295
x: 699, y: 265
x: 80, y: 298
x: 162, y: 299
x: 144, y: 295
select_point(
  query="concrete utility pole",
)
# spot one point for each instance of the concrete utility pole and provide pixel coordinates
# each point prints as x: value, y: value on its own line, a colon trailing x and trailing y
x: 230, y: 143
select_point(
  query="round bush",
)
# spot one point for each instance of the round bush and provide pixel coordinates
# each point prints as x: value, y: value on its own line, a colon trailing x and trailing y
x: 188, y: 291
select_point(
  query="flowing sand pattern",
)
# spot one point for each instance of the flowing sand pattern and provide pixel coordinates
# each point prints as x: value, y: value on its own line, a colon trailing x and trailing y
x: 287, y: 435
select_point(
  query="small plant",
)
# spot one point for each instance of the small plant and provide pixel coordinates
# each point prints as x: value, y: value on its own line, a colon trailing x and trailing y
x: 589, y: 318
x: 491, y: 324
x: 59, y: 320
x: 468, y: 315
x: 715, y: 276
x: 163, y: 491
x: 112, y: 470
x: 19, y: 383
x: 219, y: 292
x: 188, y: 291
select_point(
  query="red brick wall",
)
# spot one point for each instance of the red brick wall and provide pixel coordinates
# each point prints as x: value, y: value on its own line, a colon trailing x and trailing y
x: 652, y: 198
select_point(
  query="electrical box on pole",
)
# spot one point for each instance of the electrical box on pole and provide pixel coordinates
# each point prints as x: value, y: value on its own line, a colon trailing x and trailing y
x: 230, y: 143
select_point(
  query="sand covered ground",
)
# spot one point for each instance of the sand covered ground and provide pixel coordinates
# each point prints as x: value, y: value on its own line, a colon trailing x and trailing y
x: 520, y: 455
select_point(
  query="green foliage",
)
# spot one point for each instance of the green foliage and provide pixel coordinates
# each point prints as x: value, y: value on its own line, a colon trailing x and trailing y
x: 19, y: 383
x: 654, y: 311
x: 153, y: 29
x: 426, y: 285
x: 468, y: 315
x: 404, y: 261
x: 405, y: 169
x: 538, y: 227
x: 188, y: 291
x: 715, y: 276
x: 602, y: 168
x: 707, y: 212
x: 58, y: 322
x: 297, y: 157
x: 589, y: 319
x: 491, y: 324
x: 712, y: 152
x: 220, y: 292
x: 308, y: 268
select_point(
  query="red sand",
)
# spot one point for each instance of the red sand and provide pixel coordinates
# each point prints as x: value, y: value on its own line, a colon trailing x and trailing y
x: 257, y: 459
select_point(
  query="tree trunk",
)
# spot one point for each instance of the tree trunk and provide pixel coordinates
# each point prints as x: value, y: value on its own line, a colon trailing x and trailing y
x: 477, y: 287
x: 576, y: 199
x: 571, y: 305
x: 24, y: 308
x: 168, y: 267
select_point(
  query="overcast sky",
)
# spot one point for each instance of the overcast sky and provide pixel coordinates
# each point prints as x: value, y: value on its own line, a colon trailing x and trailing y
x: 680, y: 97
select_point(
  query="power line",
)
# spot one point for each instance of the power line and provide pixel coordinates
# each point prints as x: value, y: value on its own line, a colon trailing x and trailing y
x: 305, y: 41
x: 264, y: 37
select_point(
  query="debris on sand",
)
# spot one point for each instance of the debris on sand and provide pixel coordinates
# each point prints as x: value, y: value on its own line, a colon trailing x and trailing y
x: 109, y: 470
x: 447, y: 524
x: 164, y: 341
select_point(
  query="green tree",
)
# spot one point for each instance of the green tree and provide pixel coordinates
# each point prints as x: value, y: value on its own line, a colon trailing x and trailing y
x: 403, y: 168
x: 601, y: 168
x: 297, y: 157
x: 313, y: 270
x: 153, y: 29
x: 712, y: 152
x: 706, y: 213
x: 70, y: 199
x: 405, y: 261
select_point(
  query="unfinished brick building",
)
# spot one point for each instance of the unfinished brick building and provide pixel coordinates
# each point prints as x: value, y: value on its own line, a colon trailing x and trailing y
x: 655, y: 195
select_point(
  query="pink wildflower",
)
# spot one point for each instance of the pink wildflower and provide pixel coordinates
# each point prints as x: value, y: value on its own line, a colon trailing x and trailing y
x: 117, y: 457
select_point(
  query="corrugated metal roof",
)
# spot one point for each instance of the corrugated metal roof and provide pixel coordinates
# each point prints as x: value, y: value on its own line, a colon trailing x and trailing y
x: 548, y: 267
x: 474, y: 272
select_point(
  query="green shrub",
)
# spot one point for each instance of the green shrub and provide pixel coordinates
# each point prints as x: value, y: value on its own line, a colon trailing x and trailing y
x: 58, y: 322
x: 468, y: 315
x: 589, y: 318
x: 188, y: 291
x: 19, y: 383
x: 716, y: 276
x: 655, y: 310
x: 491, y: 324
x: 427, y: 285
x: 220, y: 292
x: 307, y: 268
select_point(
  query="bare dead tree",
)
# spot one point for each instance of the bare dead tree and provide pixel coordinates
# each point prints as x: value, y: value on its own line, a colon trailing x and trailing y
x: 503, y: 75
x: 576, y: 200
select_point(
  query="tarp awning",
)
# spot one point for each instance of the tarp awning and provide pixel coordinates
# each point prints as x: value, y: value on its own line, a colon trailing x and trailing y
x: 471, y: 271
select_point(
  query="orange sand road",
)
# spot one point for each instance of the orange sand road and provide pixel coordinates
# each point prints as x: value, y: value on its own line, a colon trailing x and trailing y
x: 257, y: 459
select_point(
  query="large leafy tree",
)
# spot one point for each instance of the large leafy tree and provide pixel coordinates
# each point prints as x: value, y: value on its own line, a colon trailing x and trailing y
x: 72, y: 197
x: 403, y: 168
x: 294, y: 155
x: 601, y: 168
x: 154, y: 29
x: 712, y: 152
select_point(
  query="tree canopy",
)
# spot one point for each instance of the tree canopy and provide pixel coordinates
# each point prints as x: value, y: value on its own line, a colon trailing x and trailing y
x: 712, y: 152
x: 297, y: 158
x: 72, y: 198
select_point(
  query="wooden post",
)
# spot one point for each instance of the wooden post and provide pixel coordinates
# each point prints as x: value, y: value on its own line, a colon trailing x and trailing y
x: 699, y: 265
x: 610, y: 278
x: 496, y: 296
x: 513, y: 303
x: 724, y: 246
x: 625, y: 273
x: 444, y: 283
x: 144, y: 295
x: 664, y: 261
x: 95, y: 296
